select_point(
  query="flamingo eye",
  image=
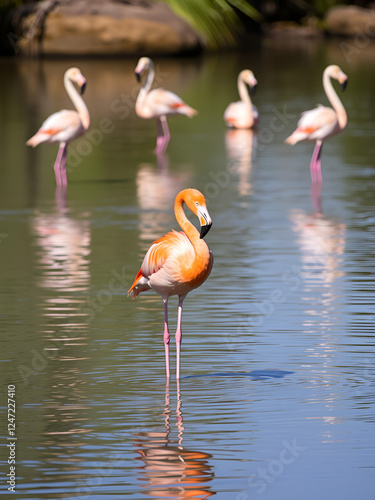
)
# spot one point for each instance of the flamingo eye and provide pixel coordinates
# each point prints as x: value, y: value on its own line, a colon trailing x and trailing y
x: 197, y: 203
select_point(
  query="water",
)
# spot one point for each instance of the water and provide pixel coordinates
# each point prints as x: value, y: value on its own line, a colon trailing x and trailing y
x: 276, y: 398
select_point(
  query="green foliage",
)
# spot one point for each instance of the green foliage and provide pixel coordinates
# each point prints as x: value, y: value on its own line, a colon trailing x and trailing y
x: 215, y: 20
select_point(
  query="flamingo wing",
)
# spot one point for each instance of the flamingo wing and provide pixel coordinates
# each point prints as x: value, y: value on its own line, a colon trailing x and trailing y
x: 162, y: 263
x: 238, y: 115
x: 163, y: 102
x: 61, y: 126
x: 315, y: 124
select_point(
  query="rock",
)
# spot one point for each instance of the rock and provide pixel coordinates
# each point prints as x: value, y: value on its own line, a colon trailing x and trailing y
x: 110, y: 27
x: 289, y: 29
x: 350, y: 21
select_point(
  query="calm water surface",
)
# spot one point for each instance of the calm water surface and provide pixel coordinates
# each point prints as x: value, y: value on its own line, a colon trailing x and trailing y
x: 277, y: 395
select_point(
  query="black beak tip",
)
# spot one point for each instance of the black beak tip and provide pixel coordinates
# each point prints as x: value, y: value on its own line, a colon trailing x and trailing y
x: 204, y: 230
x: 344, y: 84
x: 83, y: 88
x: 138, y: 76
x: 254, y: 89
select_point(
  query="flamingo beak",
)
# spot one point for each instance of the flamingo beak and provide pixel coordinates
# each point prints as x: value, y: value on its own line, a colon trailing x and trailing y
x: 204, y: 230
x: 83, y: 87
x: 343, y: 80
x: 254, y: 88
x: 205, y: 220
x: 138, y: 76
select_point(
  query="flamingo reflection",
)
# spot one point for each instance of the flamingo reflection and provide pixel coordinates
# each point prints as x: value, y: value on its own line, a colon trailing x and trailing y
x: 170, y: 470
x: 156, y: 192
x: 322, y: 244
x: 240, y: 145
x: 322, y: 240
x: 65, y: 247
x: 63, y: 263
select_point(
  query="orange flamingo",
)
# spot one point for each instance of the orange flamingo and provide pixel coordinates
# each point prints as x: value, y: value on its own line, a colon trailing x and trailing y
x: 65, y: 125
x: 322, y: 122
x: 177, y: 263
x: 158, y: 103
x: 243, y: 114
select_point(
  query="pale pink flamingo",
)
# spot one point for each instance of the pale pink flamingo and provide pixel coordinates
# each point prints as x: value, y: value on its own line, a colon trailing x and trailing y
x: 177, y: 263
x: 158, y: 103
x: 243, y: 114
x: 65, y: 125
x: 322, y: 122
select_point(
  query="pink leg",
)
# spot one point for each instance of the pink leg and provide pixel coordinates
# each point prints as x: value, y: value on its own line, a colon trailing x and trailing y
x: 179, y: 334
x: 316, y: 188
x: 315, y: 169
x: 60, y: 196
x: 167, y: 135
x: 160, y: 138
x: 166, y: 337
x: 56, y: 167
x: 318, y: 165
x: 64, y: 179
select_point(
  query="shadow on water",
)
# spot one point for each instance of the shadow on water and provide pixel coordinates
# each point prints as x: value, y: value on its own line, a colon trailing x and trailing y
x: 170, y: 470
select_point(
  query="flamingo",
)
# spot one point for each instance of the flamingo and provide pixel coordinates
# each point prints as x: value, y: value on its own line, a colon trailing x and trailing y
x: 177, y: 263
x: 65, y: 125
x: 158, y: 103
x: 243, y: 114
x: 322, y: 122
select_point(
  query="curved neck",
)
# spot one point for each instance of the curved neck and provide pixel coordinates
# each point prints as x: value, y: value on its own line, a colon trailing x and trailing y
x: 242, y: 90
x: 78, y: 102
x: 334, y: 100
x: 189, y: 229
x: 148, y: 82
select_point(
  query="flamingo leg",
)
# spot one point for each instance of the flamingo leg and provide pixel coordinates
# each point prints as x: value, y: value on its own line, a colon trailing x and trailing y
x: 315, y: 168
x: 179, y: 334
x: 64, y: 179
x: 318, y: 165
x: 160, y: 137
x: 57, y: 165
x: 166, y: 132
x: 316, y: 197
x: 166, y: 337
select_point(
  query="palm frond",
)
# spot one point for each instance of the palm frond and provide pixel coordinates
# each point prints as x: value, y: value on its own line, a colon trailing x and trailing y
x: 215, y: 20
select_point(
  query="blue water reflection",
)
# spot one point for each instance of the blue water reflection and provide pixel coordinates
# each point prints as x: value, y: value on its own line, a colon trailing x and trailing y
x: 276, y: 398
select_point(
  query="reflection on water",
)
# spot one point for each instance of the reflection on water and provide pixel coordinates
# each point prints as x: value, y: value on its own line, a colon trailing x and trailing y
x: 169, y: 469
x: 63, y: 262
x: 322, y: 244
x: 240, y: 145
x: 65, y: 248
x: 157, y: 188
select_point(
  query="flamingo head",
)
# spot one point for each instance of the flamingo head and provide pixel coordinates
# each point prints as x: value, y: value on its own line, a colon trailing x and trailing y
x: 248, y: 77
x: 195, y: 200
x: 143, y: 64
x: 75, y: 75
x: 337, y: 73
